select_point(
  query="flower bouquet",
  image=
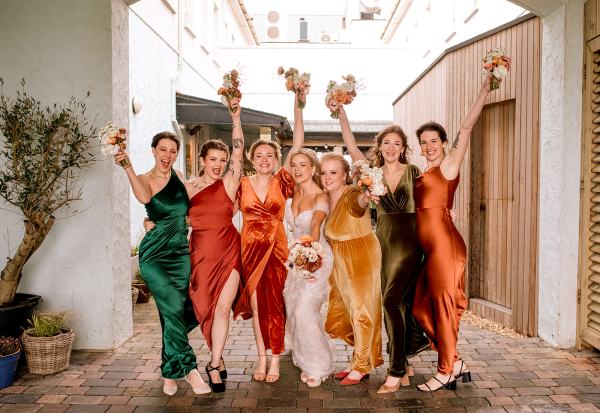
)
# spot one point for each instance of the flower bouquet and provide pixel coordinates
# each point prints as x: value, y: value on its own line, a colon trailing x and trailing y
x: 230, y: 89
x: 306, y: 257
x: 340, y: 94
x: 368, y: 177
x: 113, y: 139
x: 496, y: 64
x: 296, y: 82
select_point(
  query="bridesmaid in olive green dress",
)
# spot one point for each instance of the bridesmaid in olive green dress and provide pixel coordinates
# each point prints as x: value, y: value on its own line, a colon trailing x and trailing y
x: 401, y: 254
x: 165, y: 260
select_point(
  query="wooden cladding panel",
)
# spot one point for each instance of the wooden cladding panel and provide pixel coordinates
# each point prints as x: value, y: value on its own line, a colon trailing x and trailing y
x: 444, y: 94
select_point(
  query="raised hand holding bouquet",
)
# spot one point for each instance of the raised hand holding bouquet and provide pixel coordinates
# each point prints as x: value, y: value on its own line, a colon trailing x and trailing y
x: 230, y: 89
x: 112, y: 139
x: 306, y: 257
x: 296, y: 82
x: 340, y: 94
x: 496, y: 65
x: 369, y: 177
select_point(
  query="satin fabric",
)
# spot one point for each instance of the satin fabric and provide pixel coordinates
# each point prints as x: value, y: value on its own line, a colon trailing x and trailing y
x: 264, y: 252
x: 354, y: 313
x: 165, y: 267
x: 400, y: 267
x: 439, y: 297
x: 215, y: 251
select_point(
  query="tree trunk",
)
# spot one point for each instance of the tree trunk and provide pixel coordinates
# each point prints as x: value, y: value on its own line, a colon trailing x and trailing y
x: 10, y: 276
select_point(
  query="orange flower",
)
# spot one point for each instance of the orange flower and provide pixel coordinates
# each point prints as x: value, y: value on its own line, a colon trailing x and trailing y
x: 367, y: 181
x: 340, y: 96
x: 305, y: 238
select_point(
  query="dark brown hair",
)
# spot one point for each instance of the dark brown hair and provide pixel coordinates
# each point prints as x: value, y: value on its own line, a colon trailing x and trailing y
x: 433, y: 127
x: 164, y: 135
x: 272, y: 144
x: 374, y: 154
x: 216, y: 144
x: 345, y: 165
x: 314, y: 161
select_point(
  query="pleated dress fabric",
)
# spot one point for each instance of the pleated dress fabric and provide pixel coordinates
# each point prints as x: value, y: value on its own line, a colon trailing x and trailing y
x: 354, y: 313
x: 401, y: 264
x: 264, y: 252
x: 439, y: 296
x: 215, y: 250
x: 165, y: 267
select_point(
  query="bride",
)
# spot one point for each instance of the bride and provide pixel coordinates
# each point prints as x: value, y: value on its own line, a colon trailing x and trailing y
x: 305, y: 214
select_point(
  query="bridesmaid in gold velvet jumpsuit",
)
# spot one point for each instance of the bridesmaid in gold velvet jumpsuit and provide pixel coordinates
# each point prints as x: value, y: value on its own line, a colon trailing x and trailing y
x: 439, y: 297
x: 354, y: 313
x: 401, y: 253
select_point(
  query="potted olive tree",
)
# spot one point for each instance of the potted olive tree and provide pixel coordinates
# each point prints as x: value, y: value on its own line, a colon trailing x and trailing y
x: 42, y: 152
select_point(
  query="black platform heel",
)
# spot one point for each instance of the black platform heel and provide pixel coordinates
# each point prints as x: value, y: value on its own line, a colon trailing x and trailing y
x: 223, y: 373
x: 215, y: 387
x: 465, y: 374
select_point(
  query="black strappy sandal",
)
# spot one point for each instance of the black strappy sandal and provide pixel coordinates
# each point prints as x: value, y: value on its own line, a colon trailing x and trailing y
x: 449, y: 385
x: 465, y: 374
x: 215, y: 387
x: 223, y: 373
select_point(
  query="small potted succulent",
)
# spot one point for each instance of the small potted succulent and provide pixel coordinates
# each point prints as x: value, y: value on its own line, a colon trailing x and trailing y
x: 48, y: 343
x: 10, y: 351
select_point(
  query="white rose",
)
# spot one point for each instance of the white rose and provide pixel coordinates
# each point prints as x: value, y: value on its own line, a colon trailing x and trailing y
x: 499, y: 71
x: 377, y: 189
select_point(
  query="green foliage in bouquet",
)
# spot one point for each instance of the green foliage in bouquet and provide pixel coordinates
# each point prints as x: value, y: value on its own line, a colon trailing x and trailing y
x: 42, y: 152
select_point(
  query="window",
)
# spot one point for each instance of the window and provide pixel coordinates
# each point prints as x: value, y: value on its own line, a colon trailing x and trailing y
x: 303, y: 30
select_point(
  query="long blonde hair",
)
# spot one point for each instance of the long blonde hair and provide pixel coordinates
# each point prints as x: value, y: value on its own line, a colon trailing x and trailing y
x: 314, y: 161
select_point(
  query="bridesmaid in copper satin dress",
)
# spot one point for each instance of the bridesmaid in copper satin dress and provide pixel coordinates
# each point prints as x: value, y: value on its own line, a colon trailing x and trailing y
x: 261, y: 199
x: 439, y: 297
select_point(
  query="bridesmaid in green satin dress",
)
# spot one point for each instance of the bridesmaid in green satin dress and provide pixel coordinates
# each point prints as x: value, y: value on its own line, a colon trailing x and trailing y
x: 401, y: 254
x: 165, y: 260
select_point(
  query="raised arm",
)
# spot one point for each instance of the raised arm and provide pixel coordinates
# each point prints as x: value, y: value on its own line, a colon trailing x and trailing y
x: 348, y: 137
x: 232, y: 180
x: 139, y: 185
x: 298, y: 137
x: 451, y: 164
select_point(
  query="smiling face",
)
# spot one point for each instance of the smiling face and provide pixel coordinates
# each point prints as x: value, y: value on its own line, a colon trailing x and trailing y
x: 264, y: 159
x: 432, y: 146
x: 333, y: 175
x: 302, y: 168
x: 165, y: 154
x: 391, y: 147
x: 214, y: 163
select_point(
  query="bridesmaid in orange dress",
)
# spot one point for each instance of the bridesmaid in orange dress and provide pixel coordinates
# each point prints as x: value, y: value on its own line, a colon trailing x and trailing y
x: 261, y: 199
x: 439, y: 298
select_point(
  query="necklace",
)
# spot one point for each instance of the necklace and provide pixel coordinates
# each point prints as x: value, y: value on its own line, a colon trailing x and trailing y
x: 157, y: 175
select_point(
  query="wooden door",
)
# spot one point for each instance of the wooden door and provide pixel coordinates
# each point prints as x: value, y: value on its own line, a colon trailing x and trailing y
x: 588, y: 296
x: 491, y: 270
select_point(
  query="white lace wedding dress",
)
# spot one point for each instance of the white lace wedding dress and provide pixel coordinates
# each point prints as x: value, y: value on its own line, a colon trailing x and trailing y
x: 304, y: 331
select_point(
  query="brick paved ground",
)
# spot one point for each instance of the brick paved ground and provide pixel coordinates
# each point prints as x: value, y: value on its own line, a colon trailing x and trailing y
x: 509, y: 375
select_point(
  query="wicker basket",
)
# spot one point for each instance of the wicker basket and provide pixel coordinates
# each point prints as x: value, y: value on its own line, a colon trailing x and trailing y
x: 48, y: 355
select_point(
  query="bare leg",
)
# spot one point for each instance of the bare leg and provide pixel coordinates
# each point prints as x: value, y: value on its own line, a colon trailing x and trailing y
x: 220, y: 326
x: 261, y: 371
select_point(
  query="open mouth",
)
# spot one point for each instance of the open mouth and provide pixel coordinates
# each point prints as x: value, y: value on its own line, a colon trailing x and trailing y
x: 216, y: 171
x: 165, y: 164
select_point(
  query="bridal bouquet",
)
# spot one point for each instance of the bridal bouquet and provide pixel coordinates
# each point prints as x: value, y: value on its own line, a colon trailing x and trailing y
x: 112, y: 139
x: 496, y: 64
x: 296, y: 82
x: 340, y: 94
x: 369, y: 177
x: 230, y: 89
x: 306, y: 257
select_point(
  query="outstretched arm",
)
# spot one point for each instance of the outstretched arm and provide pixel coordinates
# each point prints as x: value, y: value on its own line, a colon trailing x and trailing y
x: 348, y: 137
x: 232, y: 180
x: 298, y: 138
x: 139, y: 185
x: 450, y: 166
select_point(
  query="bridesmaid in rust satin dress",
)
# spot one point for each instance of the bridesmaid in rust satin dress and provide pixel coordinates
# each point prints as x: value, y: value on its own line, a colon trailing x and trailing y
x: 439, y: 297
x: 261, y: 199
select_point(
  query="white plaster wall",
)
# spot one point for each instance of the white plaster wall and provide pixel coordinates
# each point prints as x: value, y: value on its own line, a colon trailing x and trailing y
x: 66, y: 48
x: 560, y: 165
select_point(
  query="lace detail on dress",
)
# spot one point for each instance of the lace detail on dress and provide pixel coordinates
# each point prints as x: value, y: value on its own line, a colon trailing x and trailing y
x: 304, y: 331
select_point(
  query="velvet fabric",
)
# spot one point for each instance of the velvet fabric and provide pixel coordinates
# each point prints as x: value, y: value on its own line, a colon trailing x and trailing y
x: 354, y: 313
x: 165, y: 267
x: 401, y: 264
x: 215, y: 251
x: 264, y: 252
x: 439, y: 296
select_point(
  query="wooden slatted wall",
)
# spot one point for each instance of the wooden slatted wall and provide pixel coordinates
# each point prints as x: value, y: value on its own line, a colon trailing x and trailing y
x: 444, y: 93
